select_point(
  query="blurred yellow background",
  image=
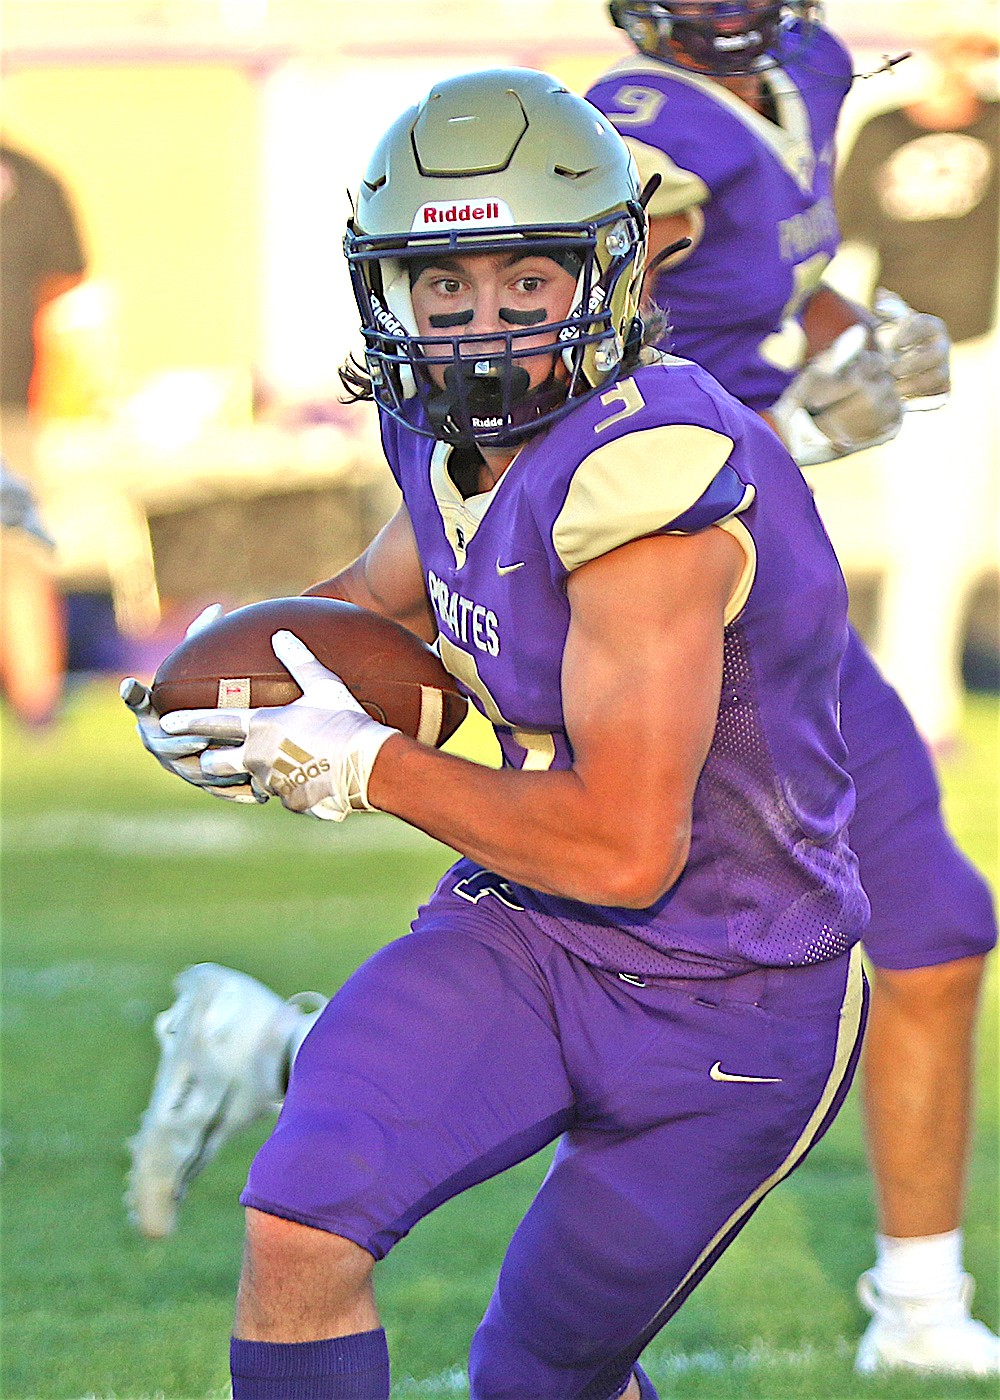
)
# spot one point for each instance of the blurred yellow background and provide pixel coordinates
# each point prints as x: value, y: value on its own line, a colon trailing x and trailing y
x: 161, y: 159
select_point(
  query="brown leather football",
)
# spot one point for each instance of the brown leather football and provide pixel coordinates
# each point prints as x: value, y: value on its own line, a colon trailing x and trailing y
x: 388, y: 669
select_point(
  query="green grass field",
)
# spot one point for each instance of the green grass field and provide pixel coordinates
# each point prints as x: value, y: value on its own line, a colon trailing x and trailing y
x: 114, y: 878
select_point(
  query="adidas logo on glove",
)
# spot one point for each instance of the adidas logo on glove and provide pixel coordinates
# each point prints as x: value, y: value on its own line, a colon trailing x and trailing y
x: 287, y: 775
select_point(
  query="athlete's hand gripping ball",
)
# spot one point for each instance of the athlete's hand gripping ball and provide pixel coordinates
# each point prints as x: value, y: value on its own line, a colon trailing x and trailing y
x: 180, y: 754
x: 918, y: 348
x: 315, y: 754
x: 846, y: 399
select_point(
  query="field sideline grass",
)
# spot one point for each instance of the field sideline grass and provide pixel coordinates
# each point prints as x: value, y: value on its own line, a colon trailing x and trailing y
x: 114, y: 878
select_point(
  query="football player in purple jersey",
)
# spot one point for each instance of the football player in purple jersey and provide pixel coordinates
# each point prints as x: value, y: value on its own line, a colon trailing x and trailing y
x: 735, y: 106
x: 648, y: 950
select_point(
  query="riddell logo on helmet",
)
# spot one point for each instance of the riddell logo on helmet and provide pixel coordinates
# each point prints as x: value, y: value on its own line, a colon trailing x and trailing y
x: 441, y: 213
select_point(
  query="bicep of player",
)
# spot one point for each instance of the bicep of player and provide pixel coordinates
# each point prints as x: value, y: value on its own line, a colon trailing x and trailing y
x: 642, y: 674
x: 387, y: 578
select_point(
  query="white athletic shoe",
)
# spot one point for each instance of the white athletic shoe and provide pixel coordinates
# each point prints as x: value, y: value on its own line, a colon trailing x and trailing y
x: 925, y: 1334
x: 225, y: 1048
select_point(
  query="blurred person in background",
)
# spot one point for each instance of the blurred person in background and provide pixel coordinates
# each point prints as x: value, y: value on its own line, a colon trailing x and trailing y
x: 41, y: 257
x: 32, y: 631
x: 735, y: 107
x: 920, y: 192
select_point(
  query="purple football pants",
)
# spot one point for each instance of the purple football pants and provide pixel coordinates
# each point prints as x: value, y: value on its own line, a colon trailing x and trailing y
x: 929, y: 905
x: 468, y: 1045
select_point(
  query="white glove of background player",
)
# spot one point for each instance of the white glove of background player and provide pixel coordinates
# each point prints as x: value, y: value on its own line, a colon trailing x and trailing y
x: 179, y: 753
x: 315, y: 754
x: 844, y: 400
x: 917, y: 346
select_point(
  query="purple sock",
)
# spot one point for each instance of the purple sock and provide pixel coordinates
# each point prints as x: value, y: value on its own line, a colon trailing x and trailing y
x: 337, y: 1368
x: 647, y: 1391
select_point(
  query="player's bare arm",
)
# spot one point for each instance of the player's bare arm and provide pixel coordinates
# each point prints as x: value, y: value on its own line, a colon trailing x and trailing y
x: 641, y: 684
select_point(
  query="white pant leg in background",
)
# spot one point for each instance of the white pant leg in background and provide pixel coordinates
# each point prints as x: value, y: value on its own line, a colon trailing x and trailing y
x: 939, y: 487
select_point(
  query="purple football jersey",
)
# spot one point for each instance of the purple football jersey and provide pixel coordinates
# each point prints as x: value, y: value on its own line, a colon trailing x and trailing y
x: 734, y: 304
x: 770, y: 878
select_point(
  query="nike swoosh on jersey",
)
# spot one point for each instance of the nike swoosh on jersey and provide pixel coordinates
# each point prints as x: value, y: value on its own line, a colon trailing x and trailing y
x: 509, y: 568
x: 718, y: 1073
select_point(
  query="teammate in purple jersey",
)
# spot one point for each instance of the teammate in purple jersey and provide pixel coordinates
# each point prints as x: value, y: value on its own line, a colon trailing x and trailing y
x: 735, y: 106
x: 649, y: 948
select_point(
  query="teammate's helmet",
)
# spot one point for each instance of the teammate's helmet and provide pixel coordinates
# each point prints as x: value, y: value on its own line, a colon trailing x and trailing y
x: 487, y: 161
x: 720, y: 37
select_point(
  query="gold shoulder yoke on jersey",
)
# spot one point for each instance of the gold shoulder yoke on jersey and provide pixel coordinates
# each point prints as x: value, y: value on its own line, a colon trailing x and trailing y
x: 635, y: 485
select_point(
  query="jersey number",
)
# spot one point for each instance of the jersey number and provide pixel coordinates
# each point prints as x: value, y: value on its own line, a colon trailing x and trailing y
x: 641, y: 104
x: 539, y: 747
x: 627, y: 393
x: 483, y: 883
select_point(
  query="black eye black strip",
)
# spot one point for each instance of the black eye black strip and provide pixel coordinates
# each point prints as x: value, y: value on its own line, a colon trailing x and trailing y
x: 523, y: 318
x: 451, y: 318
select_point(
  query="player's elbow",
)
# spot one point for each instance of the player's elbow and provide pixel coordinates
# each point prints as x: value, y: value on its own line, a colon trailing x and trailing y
x: 637, y: 877
x: 643, y: 887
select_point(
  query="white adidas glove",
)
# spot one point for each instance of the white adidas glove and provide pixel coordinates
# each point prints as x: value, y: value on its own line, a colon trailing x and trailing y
x: 315, y: 754
x: 918, y: 348
x: 844, y: 400
x: 180, y: 753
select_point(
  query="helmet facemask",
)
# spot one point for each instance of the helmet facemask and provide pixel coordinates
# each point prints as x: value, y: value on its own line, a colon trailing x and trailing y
x: 486, y: 397
x: 722, y: 38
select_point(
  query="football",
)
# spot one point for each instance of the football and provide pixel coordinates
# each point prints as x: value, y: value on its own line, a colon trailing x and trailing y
x: 388, y: 669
